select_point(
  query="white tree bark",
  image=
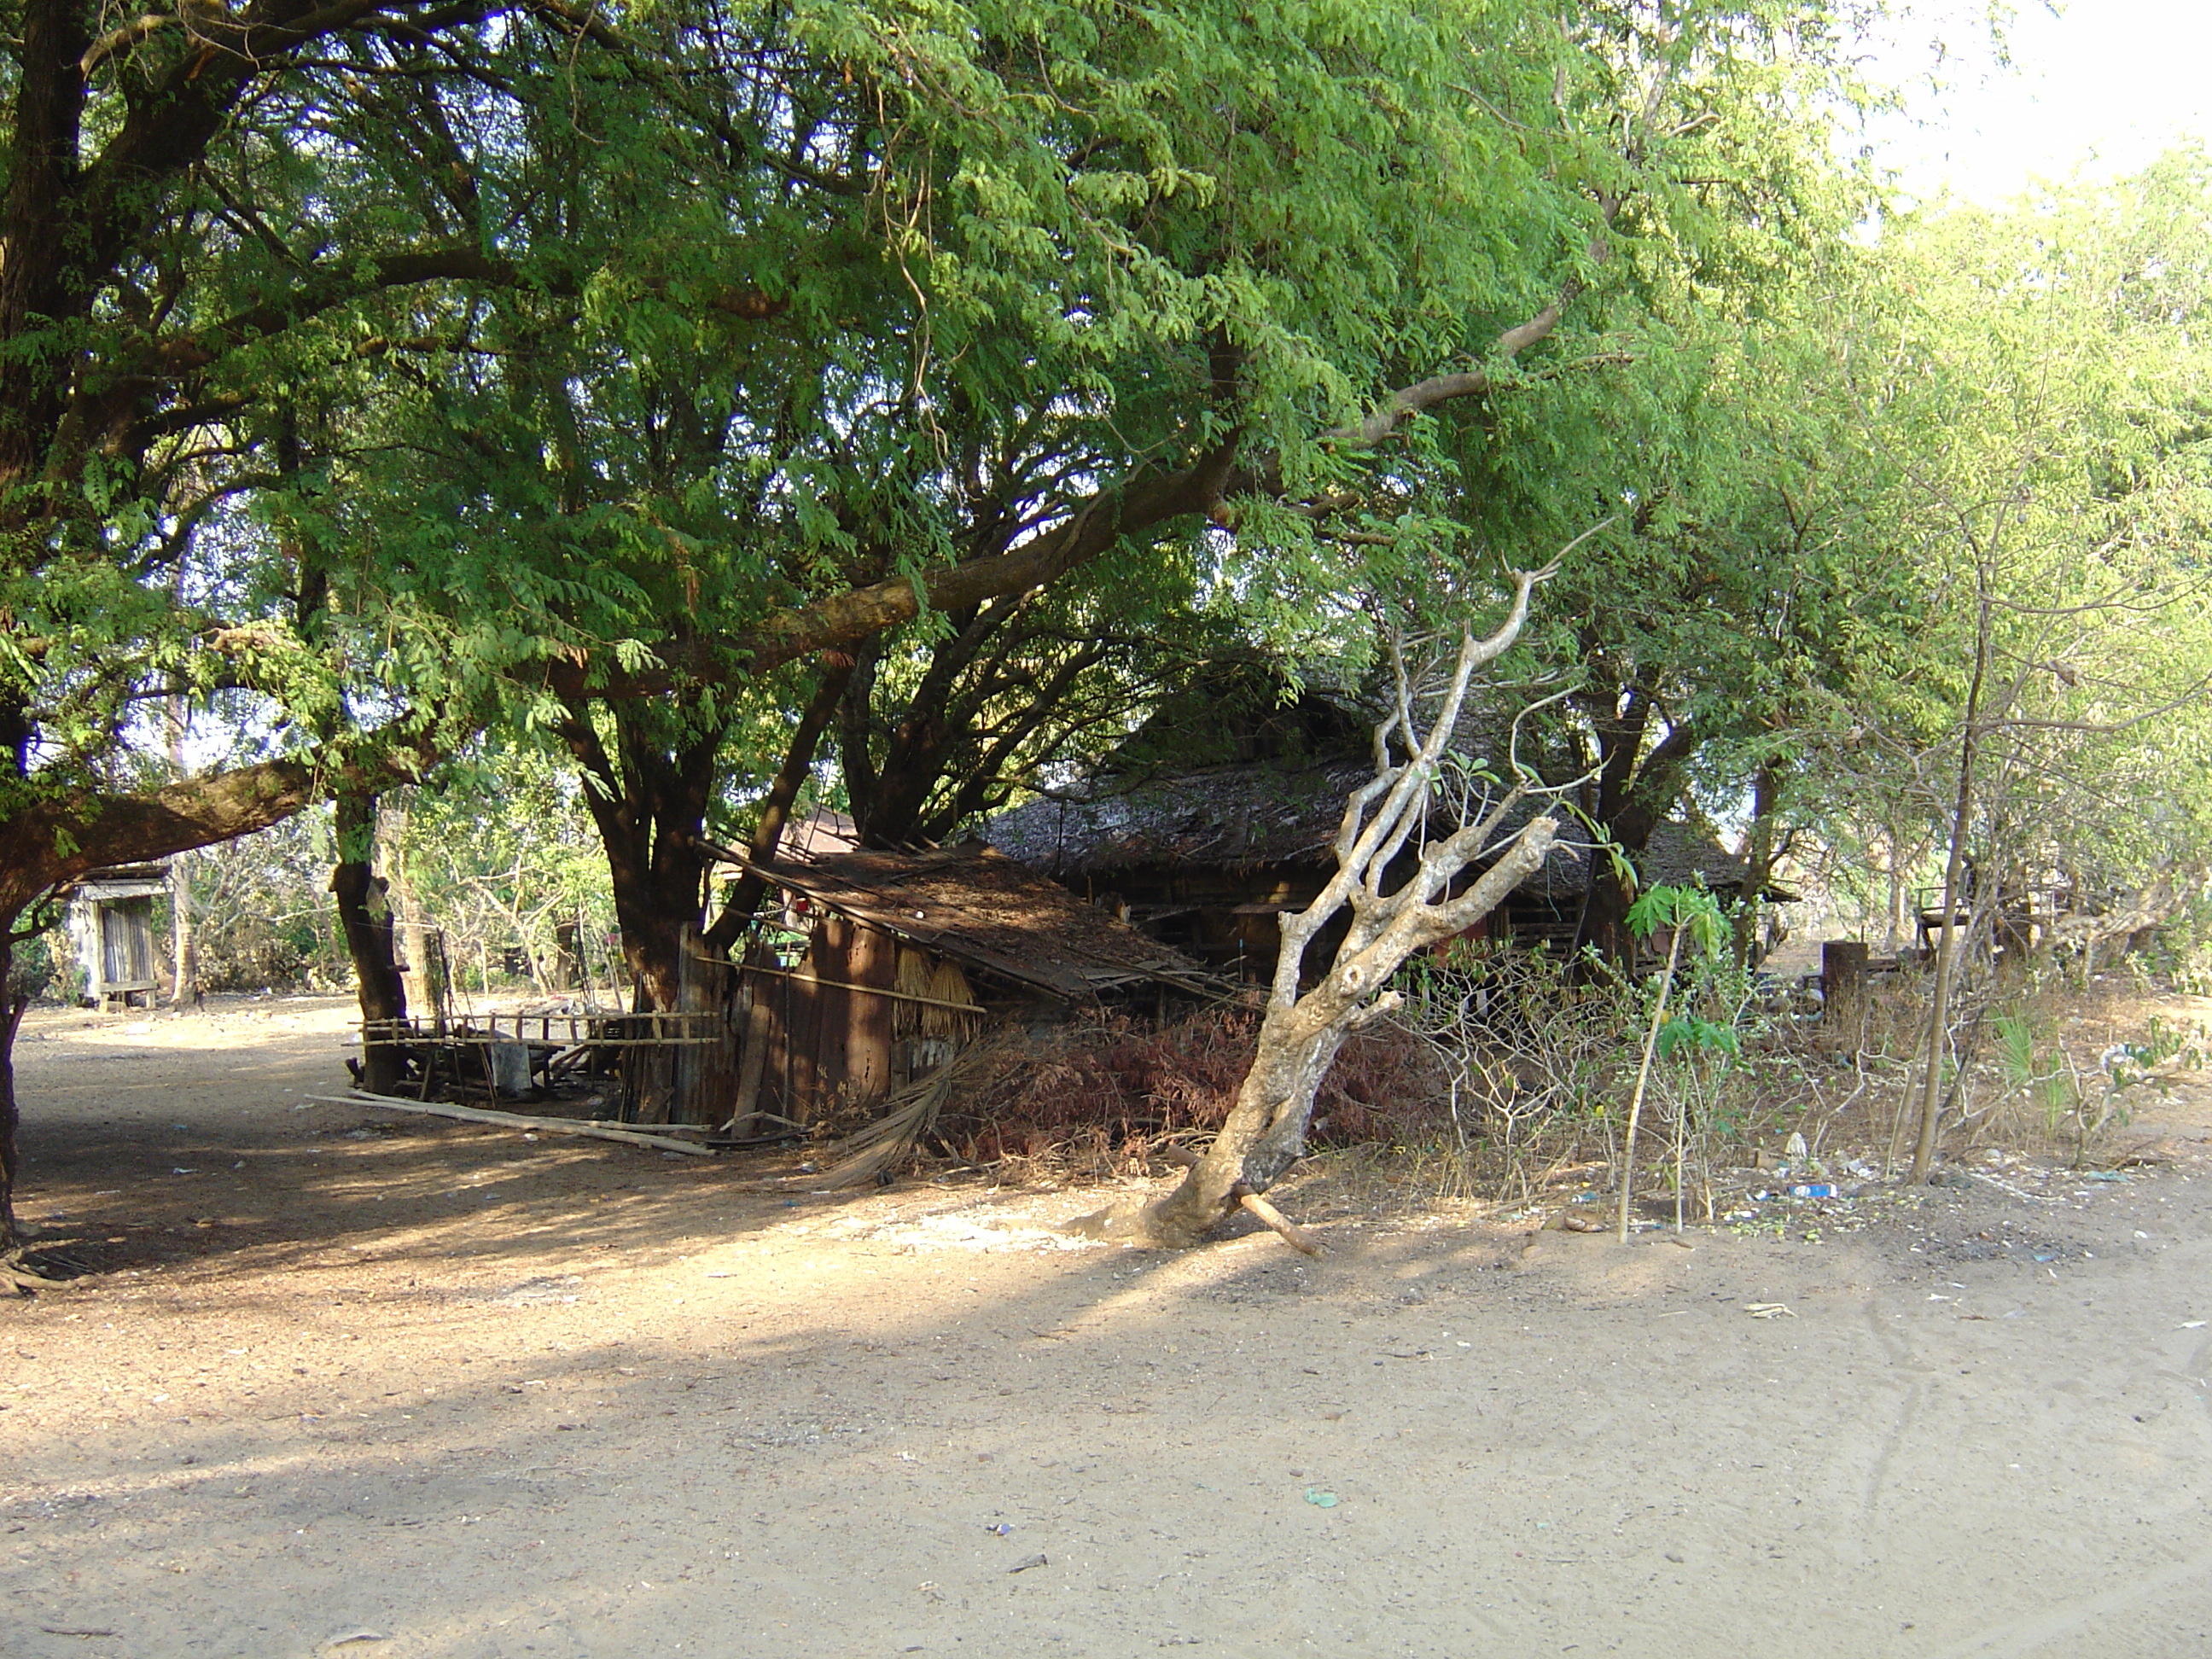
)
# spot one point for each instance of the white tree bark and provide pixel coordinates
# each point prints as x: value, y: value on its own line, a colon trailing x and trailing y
x: 1301, y: 1032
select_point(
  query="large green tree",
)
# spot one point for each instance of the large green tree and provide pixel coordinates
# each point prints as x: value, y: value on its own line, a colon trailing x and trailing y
x: 1057, y: 285
x: 394, y: 367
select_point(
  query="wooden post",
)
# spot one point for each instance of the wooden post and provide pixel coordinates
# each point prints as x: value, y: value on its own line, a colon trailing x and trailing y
x: 752, y: 1057
x: 1842, y: 989
x: 809, y: 1085
x: 872, y: 961
x: 702, y: 1076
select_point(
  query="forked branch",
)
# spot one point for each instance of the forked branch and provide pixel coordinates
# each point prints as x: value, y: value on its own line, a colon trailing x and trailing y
x: 1395, y: 911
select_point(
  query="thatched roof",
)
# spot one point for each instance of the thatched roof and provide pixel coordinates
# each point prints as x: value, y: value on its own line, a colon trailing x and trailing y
x: 1242, y: 818
x: 984, y: 910
x: 1236, y: 817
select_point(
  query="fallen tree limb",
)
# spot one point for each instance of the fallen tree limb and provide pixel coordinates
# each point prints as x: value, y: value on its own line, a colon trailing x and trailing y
x: 559, y: 1125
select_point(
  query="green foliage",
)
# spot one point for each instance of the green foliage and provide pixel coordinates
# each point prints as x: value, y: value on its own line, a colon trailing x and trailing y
x: 492, y: 351
x: 503, y: 856
x: 262, y: 914
x: 1691, y: 907
x: 1686, y: 1033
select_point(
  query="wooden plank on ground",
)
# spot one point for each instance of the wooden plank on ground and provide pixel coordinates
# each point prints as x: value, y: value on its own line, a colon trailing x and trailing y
x: 559, y: 1125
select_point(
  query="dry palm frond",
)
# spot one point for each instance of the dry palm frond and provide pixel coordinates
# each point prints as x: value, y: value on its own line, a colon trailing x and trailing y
x: 948, y: 984
x: 910, y: 1114
x: 924, y: 987
x: 912, y: 980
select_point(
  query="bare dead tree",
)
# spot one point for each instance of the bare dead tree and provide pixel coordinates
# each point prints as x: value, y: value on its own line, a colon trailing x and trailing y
x: 1302, y: 1029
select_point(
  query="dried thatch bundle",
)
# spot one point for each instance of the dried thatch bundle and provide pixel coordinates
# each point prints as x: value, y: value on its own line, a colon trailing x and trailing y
x: 910, y: 1114
x: 934, y: 985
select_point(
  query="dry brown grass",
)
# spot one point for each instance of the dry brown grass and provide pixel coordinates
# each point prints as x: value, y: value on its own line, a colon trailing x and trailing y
x: 1093, y: 1098
x: 1534, y: 1119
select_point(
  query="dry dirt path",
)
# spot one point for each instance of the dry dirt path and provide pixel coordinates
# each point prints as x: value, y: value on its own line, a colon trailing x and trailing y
x: 452, y: 1393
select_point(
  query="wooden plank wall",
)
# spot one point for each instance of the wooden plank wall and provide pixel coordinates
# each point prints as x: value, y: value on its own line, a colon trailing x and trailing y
x: 828, y: 1046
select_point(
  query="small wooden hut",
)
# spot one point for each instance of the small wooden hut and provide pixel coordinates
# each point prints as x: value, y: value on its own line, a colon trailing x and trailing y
x: 111, y: 921
x: 907, y: 956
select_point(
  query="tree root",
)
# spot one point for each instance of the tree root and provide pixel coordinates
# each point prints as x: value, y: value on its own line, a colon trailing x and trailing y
x: 1291, y: 1233
x: 1144, y: 1224
x: 19, y: 1276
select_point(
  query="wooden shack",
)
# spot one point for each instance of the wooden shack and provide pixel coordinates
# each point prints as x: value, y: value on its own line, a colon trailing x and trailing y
x: 908, y: 956
x: 1207, y: 860
x: 111, y: 922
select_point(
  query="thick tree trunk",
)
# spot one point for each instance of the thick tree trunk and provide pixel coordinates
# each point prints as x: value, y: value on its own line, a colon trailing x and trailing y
x: 184, y: 944
x: 365, y: 916
x: 1300, y: 1034
x: 42, y: 227
x: 1759, y: 865
x: 13, y: 1001
x: 1635, y: 791
x: 655, y: 914
x: 1604, y: 923
x: 184, y: 954
x: 409, y: 928
x: 1265, y: 1132
x: 1606, y: 901
x: 775, y: 811
x: 648, y: 800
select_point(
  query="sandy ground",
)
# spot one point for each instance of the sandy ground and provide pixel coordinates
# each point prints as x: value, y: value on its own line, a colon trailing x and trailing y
x: 350, y: 1386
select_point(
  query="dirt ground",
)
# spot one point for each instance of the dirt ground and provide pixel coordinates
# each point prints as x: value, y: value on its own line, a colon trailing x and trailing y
x: 352, y: 1386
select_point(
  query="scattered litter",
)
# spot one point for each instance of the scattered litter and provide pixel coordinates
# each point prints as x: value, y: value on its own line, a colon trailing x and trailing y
x: 2193, y: 1325
x: 1320, y: 1499
x: 1769, y: 1311
x: 928, y: 1234
x: 1027, y: 1562
x: 347, y: 1638
x: 1580, y: 1224
x: 182, y: 1171
x: 536, y: 1293
x: 73, y: 1630
x: 1001, y: 1528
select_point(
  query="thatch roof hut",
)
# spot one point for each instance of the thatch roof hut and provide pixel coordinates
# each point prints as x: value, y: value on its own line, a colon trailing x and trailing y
x: 909, y: 956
